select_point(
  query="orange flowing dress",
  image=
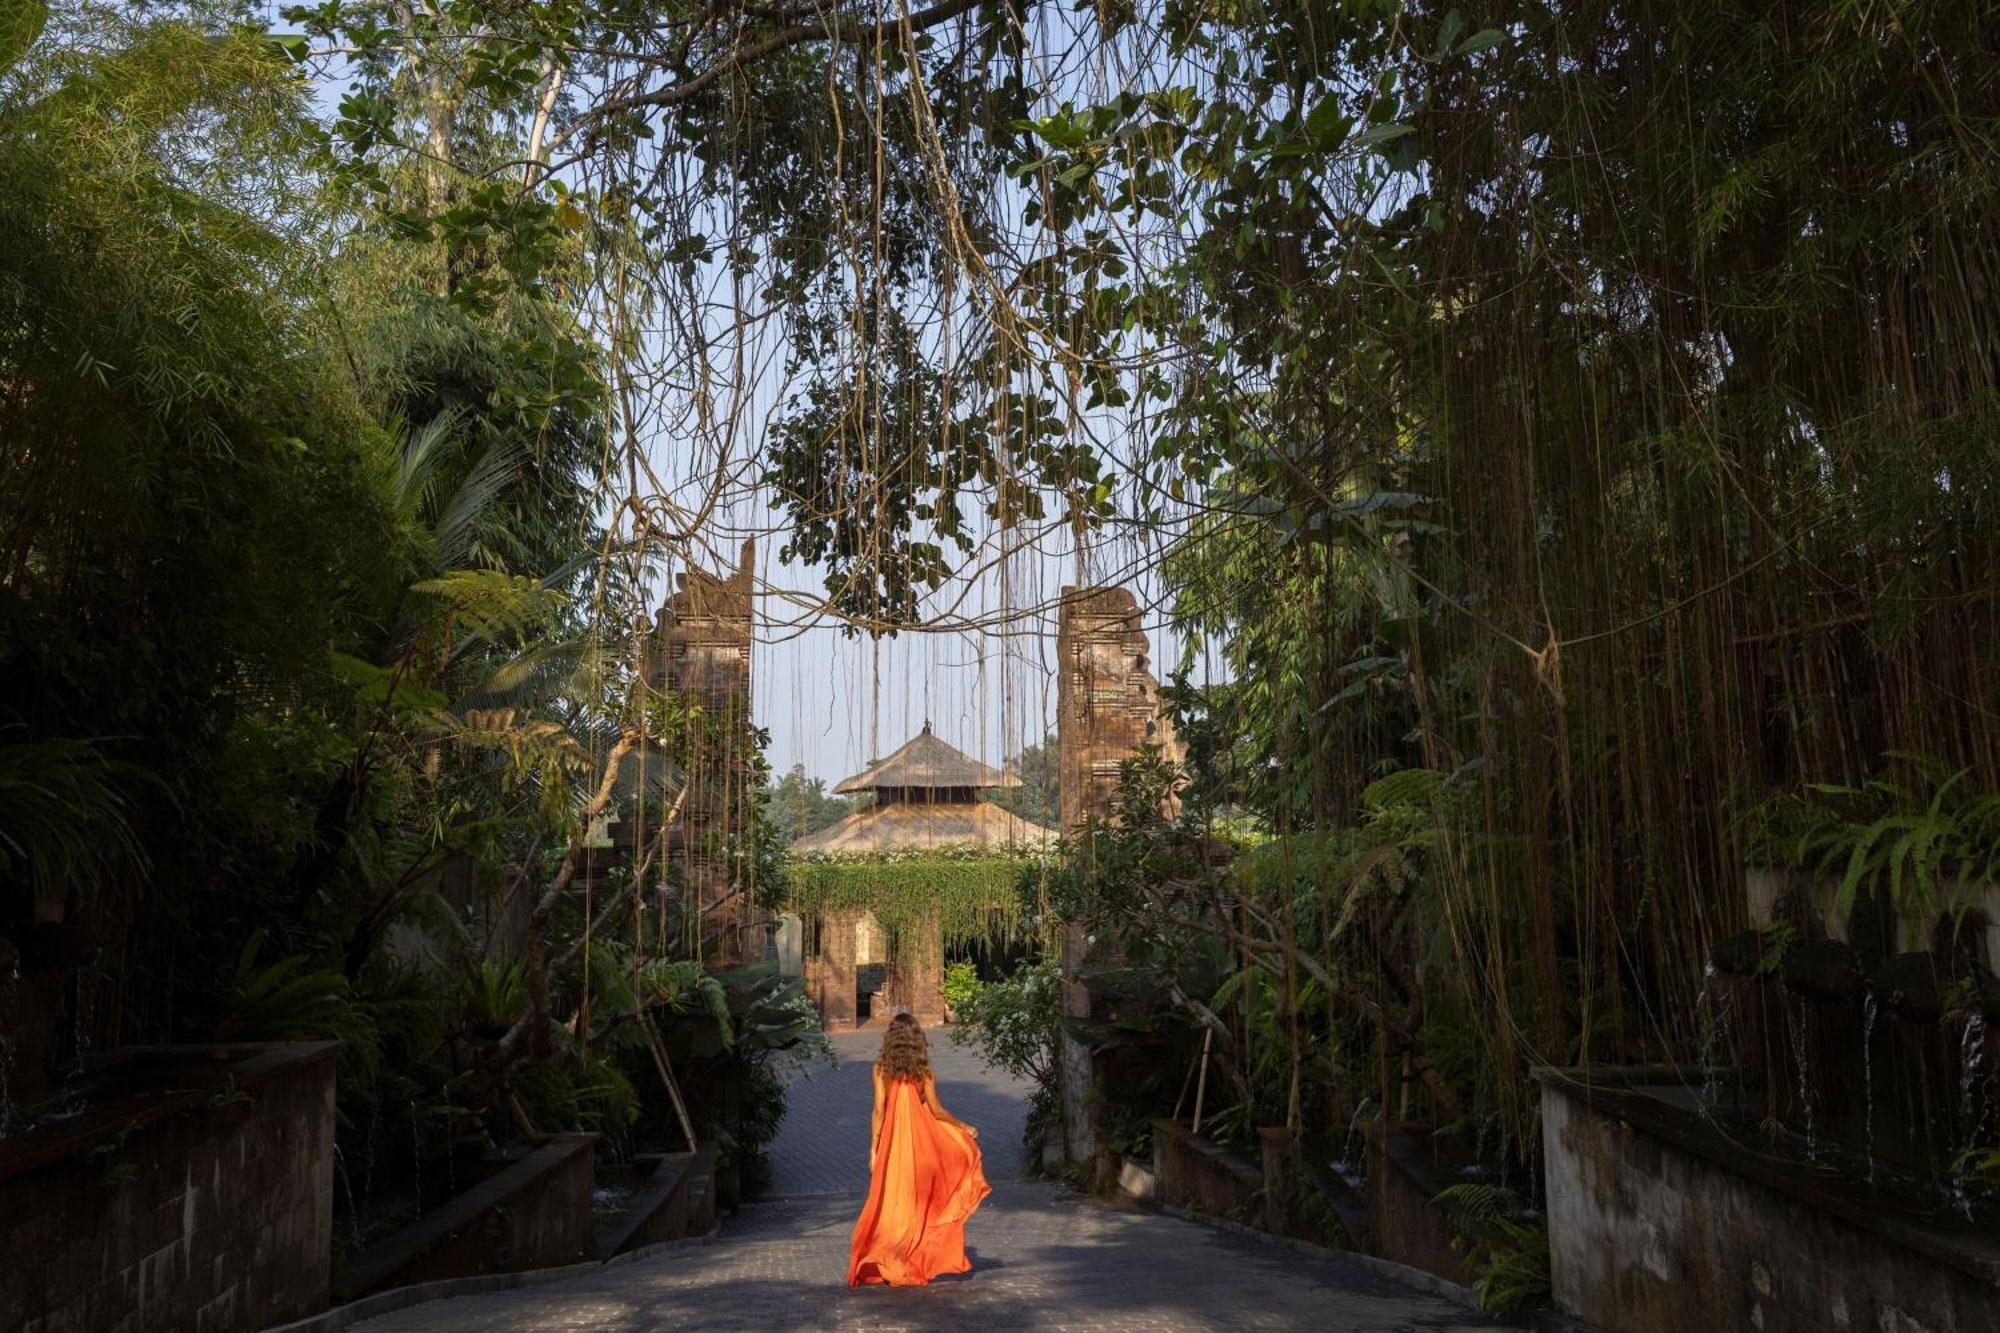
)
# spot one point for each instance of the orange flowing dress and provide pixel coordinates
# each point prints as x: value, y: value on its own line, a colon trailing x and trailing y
x: 927, y: 1177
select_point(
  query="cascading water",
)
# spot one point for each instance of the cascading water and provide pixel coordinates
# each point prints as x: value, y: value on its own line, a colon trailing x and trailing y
x: 1870, y: 1007
x: 86, y: 1006
x: 9, y: 994
x: 1715, y: 1047
x: 347, y: 1184
x: 1348, y: 1167
x: 1799, y: 1058
x: 416, y: 1155
x: 1971, y: 1113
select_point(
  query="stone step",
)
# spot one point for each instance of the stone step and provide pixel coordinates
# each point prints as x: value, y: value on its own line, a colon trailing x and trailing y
x: 658, y: 1211
x: 701, y: 1192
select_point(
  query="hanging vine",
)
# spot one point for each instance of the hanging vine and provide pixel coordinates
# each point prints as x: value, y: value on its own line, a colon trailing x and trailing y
x: 969, y: 893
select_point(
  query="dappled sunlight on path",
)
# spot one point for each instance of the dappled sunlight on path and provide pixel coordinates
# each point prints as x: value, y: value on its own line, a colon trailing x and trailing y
x: 1042, y: 1257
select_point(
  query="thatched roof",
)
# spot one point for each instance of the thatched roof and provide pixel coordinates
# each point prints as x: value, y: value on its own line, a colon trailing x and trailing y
x: 927, y: 762
x: 916, y: 824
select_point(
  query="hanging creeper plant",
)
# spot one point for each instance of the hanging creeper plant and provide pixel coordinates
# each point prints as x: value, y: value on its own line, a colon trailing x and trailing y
x: 967, y: 893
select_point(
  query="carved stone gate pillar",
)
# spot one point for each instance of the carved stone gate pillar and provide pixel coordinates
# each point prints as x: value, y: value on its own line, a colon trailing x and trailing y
x: 830, y: 973
x: 1107, y: 707
x: 920, y: 973
x: 703, y: 633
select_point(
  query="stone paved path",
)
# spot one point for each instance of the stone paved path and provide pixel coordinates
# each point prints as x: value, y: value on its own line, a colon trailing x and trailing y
x: 1043, y: 1258
x: 822, y: 1147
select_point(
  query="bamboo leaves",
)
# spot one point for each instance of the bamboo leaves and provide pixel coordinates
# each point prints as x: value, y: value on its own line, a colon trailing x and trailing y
x: 21, y: 22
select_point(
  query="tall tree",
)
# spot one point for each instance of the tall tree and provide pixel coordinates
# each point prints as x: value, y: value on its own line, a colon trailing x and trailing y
x: 799, y: 805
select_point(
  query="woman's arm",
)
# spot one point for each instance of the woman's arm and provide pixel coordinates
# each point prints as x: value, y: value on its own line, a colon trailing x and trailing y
x: 937, y: 1107
x: 875, y: 1116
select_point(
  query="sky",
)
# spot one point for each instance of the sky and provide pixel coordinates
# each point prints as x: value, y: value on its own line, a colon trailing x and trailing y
x: 834, y: 703
x: 830, y: 701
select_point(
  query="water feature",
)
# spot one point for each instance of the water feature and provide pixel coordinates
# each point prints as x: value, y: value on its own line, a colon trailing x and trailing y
x: 115, y: 1149
x: 1870, y: 1060
x: 1802, y: 1060
x: 1972, y: 1116
x: 10, y: 992
x: 416, y: 1155
x: 1871, y: 1008
x: 1714, y: 1019
x: 1349, y: 1165
x: 347, y: 1185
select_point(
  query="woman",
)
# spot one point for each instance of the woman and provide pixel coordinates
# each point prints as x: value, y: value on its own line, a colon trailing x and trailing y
x: 926, y: 1173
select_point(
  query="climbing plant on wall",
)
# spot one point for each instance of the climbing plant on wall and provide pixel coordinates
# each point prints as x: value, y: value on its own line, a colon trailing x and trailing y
x: 968, y: 892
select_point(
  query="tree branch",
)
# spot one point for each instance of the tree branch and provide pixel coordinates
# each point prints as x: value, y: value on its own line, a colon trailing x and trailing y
x: 841, y: 27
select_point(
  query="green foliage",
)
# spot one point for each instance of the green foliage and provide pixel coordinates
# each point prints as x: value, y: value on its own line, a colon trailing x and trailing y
x: 494, y: 995
x: 1980, y: 1170
x: 798, y: 805
x: 584, y: 1090
x: 1908, y: 831
x: 1016, y: 1025
x: 967, y: 893
x: 64, y: 821
x: 1508, y: 1252
x: 1015, y: 1021
x: 726, y: 1057
x: 21, y: 22
x: 287, y: 999
x: 961, y: 985
x: 1039, y: 797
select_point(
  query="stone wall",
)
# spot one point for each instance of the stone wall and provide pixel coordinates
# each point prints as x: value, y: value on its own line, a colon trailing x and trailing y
x: 1107, y: 699
x: 1406, y: 1172
x: 1191, y: 1172
x: 1659, y: 1222
x: 916, y: 976
x: 704, y: 636
x: 533, y: 1213
x: 1107, y: 707
x: 207, y: 1207
x: 830, y: 970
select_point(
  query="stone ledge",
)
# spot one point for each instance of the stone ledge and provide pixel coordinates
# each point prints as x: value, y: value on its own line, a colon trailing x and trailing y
x: 248, y: 1064
x: 665, y: 1193
x: 1387, y: 1269
x: 381, y: 1262
x: 444, y: 1289
x: 1613, y: 1092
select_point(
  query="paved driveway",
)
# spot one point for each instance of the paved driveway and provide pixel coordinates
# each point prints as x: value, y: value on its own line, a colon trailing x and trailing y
x: 1043, y: 1258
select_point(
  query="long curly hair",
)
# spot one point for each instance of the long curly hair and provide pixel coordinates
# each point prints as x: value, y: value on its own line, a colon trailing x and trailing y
x: 905, y: 1053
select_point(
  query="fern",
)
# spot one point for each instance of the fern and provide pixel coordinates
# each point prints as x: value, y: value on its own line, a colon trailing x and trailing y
x: 63, y: 817
x: 1408, y: 788
x: 1508, y: 1252
x: 494, y: 994
x: 1907, y: 837
x: 289, y: 1000
x: 490, y: 604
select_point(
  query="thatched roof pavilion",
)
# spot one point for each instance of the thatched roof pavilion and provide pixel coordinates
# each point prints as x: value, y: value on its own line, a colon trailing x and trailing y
x: 926, y: 795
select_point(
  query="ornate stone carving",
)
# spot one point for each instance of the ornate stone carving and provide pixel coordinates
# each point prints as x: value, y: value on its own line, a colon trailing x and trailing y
x: 703, y: 635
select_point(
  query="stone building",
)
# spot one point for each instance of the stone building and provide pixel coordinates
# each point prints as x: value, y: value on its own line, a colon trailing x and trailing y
x: 1108, y: 708
x: 926, y: 797
x: 701, y: 649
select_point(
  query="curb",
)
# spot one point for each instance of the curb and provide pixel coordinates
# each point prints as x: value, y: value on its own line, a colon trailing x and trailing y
x: 444, y: 1289
x: 1543, y: 1321
x: 1424, y: 1281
